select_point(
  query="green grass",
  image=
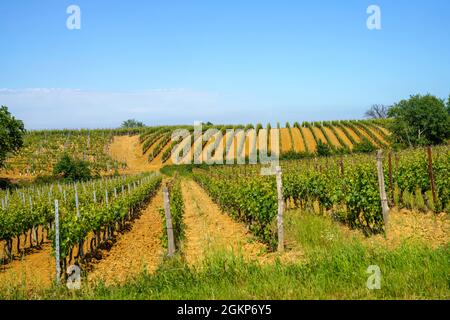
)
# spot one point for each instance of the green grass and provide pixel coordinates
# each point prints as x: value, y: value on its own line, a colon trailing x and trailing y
x: 334, y: 267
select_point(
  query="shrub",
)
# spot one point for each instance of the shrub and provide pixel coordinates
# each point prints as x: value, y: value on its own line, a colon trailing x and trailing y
x: 72, y: 169
x: 364, y: 146
x: 323, y: 149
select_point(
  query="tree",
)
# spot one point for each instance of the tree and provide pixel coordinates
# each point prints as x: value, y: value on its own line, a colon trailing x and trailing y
x: 448, y: 104
x: 377, y: 111
x: 132, y: 123
x: 11, y: 134
x: 420, y: 120
x: 72, y: 169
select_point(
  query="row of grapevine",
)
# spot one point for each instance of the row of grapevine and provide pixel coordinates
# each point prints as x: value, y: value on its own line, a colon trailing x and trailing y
x: 42, y: 149
x: 31, y: 209
x: 176, y: 210
x: 346, y: 187
x: 98, y: 221
x: 252, y: 201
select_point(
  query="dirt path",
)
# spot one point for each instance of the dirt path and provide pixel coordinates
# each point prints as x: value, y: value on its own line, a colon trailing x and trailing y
x: 157, y: 161
x: 364, y: 134
x: 34, y: 271
x: 354, y: 135
x: 332, y: 137
x: 286, y: 143
x: 209, y: 230
x: 378, y: 135
x: 136, y: 250
x: 319, y: 134
x: 298, y: 141
x: 343, y: 137
x: 386, y: 131
x: 309, y: 139
x: 430, y: 228
x: 128, y: 149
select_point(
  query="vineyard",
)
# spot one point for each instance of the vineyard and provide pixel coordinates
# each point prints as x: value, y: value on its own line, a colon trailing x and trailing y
x: 89, y: 213
x: 346, y: 188
x: 181, y: 217
x: 341, y: 136
x: 42, y: 149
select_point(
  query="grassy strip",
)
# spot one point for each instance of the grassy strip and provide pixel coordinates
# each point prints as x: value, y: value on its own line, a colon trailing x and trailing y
x: 333, y: 267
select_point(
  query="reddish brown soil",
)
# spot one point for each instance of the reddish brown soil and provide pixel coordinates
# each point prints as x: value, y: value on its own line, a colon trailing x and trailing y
x: 298, y: 141
x: 136, y: 250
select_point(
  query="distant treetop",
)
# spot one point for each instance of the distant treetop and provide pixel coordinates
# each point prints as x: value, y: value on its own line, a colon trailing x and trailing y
x: 377, y: 111
x: 132, y: 123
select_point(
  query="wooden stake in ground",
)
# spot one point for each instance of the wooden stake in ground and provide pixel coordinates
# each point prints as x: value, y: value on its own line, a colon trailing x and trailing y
x: 171, y: 243
x: 280, y: 209
x: 391, y: 180
x: 58, y: 266
x: 384, y: 201
x: 431, y: 175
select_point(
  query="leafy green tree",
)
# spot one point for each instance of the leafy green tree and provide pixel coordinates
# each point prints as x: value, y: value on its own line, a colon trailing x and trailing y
x: 323, y: 149
x: 420, y: 120
x: 72, y: 169
x: 132, y: 123
x: 448, y: 104
x: 11, y: 134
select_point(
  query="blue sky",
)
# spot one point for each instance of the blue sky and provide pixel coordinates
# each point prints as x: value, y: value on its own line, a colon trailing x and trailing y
x: 169, y: 62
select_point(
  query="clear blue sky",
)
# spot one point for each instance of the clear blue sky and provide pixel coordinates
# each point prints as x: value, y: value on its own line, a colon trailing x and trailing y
x: 166, y: 62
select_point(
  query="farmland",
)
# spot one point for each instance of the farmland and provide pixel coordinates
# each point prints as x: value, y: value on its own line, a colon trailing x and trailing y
x: 42, y: 149
x: 113, y: 226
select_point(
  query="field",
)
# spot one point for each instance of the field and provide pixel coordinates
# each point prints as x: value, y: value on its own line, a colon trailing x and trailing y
x: 224, y: 218
x: 42, y: 149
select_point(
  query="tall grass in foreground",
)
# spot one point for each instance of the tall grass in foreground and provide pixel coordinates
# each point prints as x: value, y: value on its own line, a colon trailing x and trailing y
x: 334, y: 268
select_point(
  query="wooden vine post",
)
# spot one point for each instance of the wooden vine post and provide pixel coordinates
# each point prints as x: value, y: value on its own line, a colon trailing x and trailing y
x: 431, y: 175
x: 280, y: 209
x: 391, y: 179
x: 170, y: 239
x: 384, y: 201
x: 57, y: 253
